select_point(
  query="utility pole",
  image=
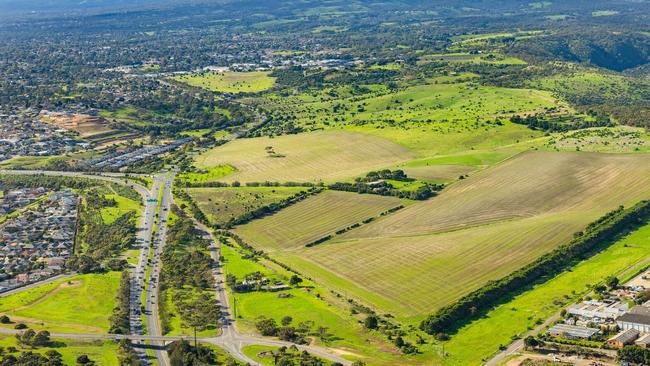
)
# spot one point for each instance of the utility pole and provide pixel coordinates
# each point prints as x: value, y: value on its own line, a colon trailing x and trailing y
x: 195, y: 344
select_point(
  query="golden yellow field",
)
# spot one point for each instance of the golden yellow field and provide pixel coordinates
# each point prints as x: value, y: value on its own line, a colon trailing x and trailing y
x: 326, y: 156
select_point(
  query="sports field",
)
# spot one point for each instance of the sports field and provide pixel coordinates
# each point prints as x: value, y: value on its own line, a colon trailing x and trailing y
x: 224, y: 204
x: 230, y: 82
x: 313, y: 218
x: 481, y: 228
x: 326, y: 156
x: 81, y: 304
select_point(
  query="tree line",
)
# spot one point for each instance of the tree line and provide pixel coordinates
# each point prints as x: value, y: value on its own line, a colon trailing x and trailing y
x: 187, y: 276
x: 584, y: 244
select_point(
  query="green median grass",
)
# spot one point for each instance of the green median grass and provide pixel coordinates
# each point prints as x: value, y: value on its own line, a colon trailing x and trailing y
x: 481, y: 339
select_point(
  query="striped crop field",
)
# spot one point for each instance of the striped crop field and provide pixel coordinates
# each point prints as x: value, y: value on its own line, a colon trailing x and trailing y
x: 326, y: 156
x: 225, y: 203
x: 479, y: 229
x: 312, y: 219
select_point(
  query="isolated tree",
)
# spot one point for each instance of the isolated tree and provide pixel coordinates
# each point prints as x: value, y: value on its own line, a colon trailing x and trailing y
x: 399, y: 342
x: 286, y: 320
x: 294, y: 280
x: 612, y: 282
x: 41, y: 339
x: 84, y: 360
x: 267, y: 327
x: 530, y: 342
x: 371, y: 322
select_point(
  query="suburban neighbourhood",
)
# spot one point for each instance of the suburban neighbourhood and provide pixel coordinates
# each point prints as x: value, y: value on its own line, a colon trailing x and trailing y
x: 37, y: 236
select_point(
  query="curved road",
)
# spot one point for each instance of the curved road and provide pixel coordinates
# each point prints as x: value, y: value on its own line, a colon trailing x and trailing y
x: 230, y: 340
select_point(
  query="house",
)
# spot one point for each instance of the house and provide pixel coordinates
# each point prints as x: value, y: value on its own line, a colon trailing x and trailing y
x: 637, y: 318
x: 643, y: 341
x: 572, y: 331
x: 23, y: 277
x: 274, y: 288
x: 623, y: 338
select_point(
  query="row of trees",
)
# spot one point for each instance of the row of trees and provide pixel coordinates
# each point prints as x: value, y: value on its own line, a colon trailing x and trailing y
x: 584, y: 244
x: 249, y: 215
x: 383, y: 188
x: 120, y: 317
x: 561, y: 123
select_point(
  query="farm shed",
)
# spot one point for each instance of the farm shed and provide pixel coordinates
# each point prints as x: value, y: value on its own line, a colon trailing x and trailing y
x: 623, y: 338
x: 638, y: 318
x: 572, y: 331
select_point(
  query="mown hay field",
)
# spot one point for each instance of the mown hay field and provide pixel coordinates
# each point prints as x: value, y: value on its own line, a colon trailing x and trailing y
x: 481, y: 228
x: 313, y: 218
x: 225, y: 203
x: 327, y: 156
x: 230, y: 82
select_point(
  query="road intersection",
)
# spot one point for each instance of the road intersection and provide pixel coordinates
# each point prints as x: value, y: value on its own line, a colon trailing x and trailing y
x: 229, y: 339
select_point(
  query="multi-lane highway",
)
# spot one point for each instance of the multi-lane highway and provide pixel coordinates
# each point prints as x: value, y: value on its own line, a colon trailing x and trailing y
x: 138, y: 273
x: 151, y: 297
x: 147, y: 282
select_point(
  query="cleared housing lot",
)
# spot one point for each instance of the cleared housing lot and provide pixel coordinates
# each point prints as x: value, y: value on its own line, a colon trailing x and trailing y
x: 326, y: 156
x: 430, y: 253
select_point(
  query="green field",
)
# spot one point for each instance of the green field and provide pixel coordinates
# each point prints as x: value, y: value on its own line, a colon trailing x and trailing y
x: 428, y: 119
x: 461, y: 57
x: 573, y: 83
x: 482, y: 338
x: 447, y: 168
x: 124, y: 206
x: 620, y: 139
x: 210, y: 174
x: 313, y: 218
x: 229, y: 82
x: 326, y: 156
x: 103, y: 353
x: 223, y: 204
x: 479, y: 229
x: 604, y: 13
x: 82, y: 304
x: 346, y: 336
